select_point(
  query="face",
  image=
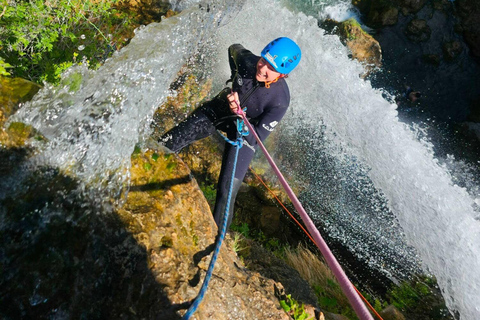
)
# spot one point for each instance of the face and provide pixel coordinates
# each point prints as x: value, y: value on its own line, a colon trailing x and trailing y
x: 265, y: 72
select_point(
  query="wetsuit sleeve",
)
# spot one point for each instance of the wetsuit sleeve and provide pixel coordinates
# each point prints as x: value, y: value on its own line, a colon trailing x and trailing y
x: 238, y: 60
x: 266, y: 124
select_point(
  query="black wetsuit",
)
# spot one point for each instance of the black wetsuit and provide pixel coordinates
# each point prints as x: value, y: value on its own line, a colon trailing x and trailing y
x: 265, y: 108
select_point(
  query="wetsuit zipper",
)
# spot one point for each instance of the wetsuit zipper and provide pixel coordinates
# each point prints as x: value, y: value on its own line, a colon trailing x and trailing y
x: 249, y: 93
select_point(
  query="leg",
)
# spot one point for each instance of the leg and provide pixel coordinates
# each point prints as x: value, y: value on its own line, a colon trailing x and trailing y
x: 197, y: 126
x: 245, y: 156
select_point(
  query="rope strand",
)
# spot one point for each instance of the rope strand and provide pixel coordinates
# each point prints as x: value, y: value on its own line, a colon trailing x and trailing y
x: 196, y: 302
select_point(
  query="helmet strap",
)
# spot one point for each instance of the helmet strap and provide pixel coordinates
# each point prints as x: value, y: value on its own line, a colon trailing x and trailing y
x: 268, y: 83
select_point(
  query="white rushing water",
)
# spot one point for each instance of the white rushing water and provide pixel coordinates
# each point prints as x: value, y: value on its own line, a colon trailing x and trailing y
x: 409, y: 199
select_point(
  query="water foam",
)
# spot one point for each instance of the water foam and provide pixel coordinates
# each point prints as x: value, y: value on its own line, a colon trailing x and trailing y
x: 436, y: 215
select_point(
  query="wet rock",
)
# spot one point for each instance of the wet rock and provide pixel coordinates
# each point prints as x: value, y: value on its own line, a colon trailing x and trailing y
x: 14, y: 91
x: 363, y: 46
x: 452, y: 50
x: 474, y: 115
x: 469, y: 14
x: 442, y: 5
x: 433, y: 59
x: 334, y: 316
x: 391, y: 313
x: 418, y: 31
x: 377, y: 13
x: 270, y: 220
x: 411, y: 6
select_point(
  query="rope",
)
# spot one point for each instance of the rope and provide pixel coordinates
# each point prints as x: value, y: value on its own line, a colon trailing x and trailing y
x: 347, y: 287
x: 309, y: 236
x: 238, y: 144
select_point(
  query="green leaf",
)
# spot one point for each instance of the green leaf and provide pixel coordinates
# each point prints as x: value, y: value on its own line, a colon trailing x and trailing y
x: 303, y: 316
x: 285, y: 306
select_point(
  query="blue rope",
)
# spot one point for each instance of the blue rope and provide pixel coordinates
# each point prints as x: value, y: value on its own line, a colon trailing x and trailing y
x: 238, y: 144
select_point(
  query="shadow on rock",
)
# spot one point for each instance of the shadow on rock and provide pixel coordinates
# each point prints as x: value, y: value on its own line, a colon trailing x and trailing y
x: 63, y: 257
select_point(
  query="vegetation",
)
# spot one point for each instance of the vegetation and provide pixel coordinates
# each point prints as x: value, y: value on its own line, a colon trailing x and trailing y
x: 210, y: 193
x: 320, y: 277
x: 421, y: 298
x: 40, y: 39
x: 295, y: 309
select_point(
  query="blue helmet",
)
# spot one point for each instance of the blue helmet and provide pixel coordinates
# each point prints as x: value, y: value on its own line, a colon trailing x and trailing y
x: 283, y: 54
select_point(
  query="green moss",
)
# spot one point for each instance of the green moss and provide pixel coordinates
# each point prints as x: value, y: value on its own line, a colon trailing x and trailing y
x: 178, y: 220
x: 210, y: 193
x: 147, y: 166
x: 243, y: 228
x: 171, y: 166
x: 349, y: 29
x: 295, y: 309
x: 419, y: 297
x: 19, y: 132
x: 184, y: 231
x: 195, y: 240
x: 136, y: 152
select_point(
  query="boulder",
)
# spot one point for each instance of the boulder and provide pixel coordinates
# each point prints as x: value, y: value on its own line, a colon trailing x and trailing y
x: 411, y: 6
x: 168, y: 216
x: 452, y: 49
x: 363, y: 46
x: 418, y: 30
x: 391, y: 313
x: 14, y: 91
x: 64, y: 256
x: 377, y: 13
x: 469, y: 13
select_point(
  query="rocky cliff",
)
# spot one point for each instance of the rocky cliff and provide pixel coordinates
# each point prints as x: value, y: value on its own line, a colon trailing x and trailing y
x: 65, y: 256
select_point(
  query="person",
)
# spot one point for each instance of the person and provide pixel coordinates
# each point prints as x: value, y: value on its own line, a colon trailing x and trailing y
x: 258, y: 84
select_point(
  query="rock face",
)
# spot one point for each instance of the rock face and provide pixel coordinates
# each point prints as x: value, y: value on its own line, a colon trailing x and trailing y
x: 418, y: 31
x: 377, y: 13
x: 64, y: 256
x: 431, y: 48
x: 14, y: 91
x: 469, y: 13
x: 391, y: 313
x: 144, y: 260
x: 167, y: 214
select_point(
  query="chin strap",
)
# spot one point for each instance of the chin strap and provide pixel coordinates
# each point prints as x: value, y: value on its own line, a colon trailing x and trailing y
x: 268, y: 83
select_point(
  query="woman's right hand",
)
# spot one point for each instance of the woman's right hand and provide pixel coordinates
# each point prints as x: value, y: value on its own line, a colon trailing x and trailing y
x: 234, y: 103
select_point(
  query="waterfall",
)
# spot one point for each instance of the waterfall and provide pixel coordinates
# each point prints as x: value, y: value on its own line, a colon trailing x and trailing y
x: 372, y: 181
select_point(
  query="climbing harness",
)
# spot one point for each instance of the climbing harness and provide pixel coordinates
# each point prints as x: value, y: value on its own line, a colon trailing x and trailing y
x: 241, y: 132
